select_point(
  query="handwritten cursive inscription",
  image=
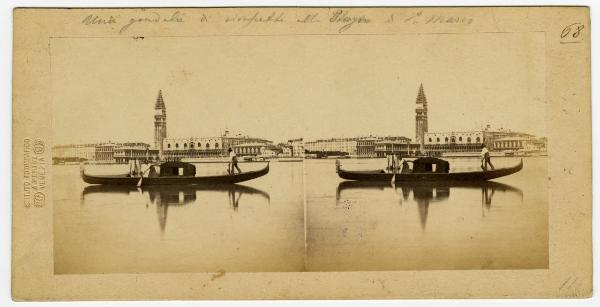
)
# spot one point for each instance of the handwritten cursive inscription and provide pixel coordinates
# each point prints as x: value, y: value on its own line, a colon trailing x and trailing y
x: 448, y: 19
x: 413, y: 18
x: 571, y: 34
x: 418, y: 17
x: 97, y: 20
x: 347, y: 20
x: 257, y: 17
x: 340, y: 19
x: 309, y: 18
x: 155, y: 17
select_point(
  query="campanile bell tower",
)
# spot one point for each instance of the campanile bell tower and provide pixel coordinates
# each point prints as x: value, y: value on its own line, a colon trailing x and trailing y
x: 160, y: 123
x: 421, y: 117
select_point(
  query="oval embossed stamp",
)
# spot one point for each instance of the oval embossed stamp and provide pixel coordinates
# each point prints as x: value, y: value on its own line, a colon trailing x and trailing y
x: 38, y: 147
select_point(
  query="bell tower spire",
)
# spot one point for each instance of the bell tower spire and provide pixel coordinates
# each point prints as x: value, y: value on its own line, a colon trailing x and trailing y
x: 160, y: 123
x: 160, y: 103
x: 421, y: 117
x: 421, y: 98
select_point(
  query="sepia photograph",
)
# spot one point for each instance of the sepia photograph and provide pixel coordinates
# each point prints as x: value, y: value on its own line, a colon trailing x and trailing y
x: 408, y: 157
x: 281, y: 149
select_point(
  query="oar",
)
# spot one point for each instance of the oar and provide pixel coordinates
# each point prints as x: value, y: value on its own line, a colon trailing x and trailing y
x: 393, y: 171
x: 139, y: 184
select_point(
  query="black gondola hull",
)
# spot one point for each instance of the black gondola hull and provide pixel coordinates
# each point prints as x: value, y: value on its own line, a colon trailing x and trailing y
x: 174, y: 180
x: 380, y: 175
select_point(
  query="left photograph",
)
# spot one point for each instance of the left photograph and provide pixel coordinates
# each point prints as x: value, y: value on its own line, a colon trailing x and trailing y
x: 156, y: 170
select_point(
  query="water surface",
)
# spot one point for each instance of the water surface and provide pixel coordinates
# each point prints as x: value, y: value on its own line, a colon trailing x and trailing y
x: 255, y: 226
x: 379, y: 226
x: 268, y: 225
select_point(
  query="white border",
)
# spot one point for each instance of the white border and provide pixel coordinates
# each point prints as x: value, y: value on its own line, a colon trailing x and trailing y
x: 7, y: 7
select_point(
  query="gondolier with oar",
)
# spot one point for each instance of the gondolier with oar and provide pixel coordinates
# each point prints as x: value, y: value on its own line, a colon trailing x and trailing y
x: 485, y: 158
x: 233, y: 162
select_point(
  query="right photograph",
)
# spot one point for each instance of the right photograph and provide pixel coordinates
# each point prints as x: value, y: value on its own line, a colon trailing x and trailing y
x: 450, y: 174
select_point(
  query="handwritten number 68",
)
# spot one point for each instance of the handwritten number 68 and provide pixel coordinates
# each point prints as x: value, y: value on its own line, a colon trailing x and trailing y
x: 573, y: 29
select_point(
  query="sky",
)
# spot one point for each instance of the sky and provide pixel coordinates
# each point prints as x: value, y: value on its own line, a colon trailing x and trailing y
x: 283, y: 87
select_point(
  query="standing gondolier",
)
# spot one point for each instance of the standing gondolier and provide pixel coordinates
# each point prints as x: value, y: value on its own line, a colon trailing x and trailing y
x: 233, y: 162
x: 391, y: 162
x: 485, y: 158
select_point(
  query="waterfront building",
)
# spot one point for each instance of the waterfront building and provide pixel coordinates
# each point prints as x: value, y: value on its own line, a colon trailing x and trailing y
x: 73, y: 153
x: 297, y: 146
x: 510, y: 143
x: 421, y: 119
x: 193, y: 147
x: 365, y: 147
x: 520, y: 144
x: 506, y: 140
x: 248, y: 149
x: 105, y: 152
x: 287, y: 151
x: 501, y: 140
x: 271, y: 151
x: 543, y: 144
x: 160, y: 123
x: 401, y: 146
x: 436, y: 143
x: 231, y: 141
x: 493, y: 136
x: 125, y: 152
x: 347, y: 145
x: 209, y: 147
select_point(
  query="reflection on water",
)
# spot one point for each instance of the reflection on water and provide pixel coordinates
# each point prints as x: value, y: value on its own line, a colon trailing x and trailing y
x: 163, y: 197
x: 425, y: 193
x: 302, y: 217
x: 364, y: 226
x: 256, y: 226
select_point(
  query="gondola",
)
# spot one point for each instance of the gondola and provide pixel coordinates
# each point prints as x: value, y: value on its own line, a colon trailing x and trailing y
x: 427, y: 169
x: 173, y: 173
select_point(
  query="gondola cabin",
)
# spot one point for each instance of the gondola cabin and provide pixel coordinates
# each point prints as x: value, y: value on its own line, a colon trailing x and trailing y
x: 177, y: 169
x: 430, y: 165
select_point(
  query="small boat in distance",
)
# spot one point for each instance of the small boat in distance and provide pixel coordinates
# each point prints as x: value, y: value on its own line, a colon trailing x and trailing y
x: 427, y: 169
x: 180, y: 173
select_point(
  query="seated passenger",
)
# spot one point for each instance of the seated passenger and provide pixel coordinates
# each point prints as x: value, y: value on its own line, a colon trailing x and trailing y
x: 152, y: 172
x: 405, y: 167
